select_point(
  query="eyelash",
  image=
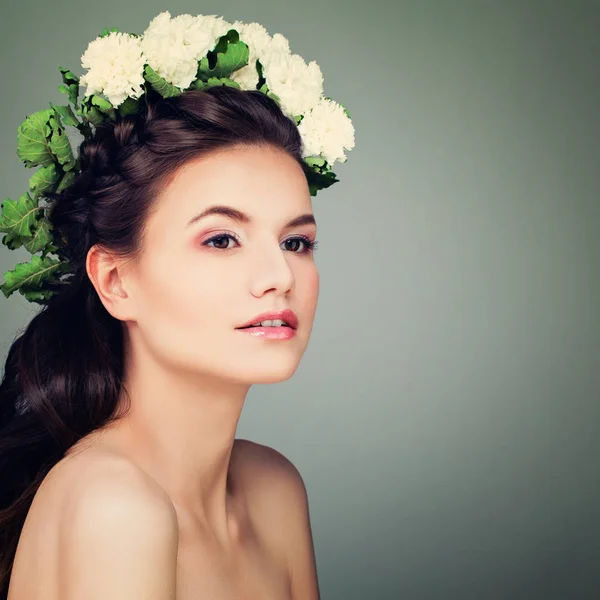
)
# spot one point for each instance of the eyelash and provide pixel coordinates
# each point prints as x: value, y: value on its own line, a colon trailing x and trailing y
x: 310, y: 245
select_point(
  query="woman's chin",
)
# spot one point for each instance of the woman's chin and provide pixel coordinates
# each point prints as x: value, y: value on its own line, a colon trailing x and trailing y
x: 272, y: 374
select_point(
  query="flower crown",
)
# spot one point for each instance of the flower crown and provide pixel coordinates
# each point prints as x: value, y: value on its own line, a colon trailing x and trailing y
x: 173, y: 55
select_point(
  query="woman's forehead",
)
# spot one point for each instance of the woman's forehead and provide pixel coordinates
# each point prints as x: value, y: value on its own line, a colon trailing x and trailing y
x: 257, y: 180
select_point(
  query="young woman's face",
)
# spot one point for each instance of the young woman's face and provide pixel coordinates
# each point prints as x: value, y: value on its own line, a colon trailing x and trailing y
x: 198, y: 280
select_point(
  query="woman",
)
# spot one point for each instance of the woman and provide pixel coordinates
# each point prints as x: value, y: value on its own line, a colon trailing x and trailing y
x: 189, y: 222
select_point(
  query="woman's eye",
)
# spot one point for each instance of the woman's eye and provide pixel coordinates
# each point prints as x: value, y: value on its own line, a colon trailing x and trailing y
x: 218, y: 238
x: 221, y: 243
x: 299, y: 241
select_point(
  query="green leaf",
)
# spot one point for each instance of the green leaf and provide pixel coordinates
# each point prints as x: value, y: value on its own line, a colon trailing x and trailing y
x: 274, y: 96
x: 29, y: 277
x: 264, y: 88
x: 129, y: 106
x: 67, y: 179
x: 33, y: 139
x: 71, y: 85
x: 229, y: 55
x: 59, y: 144
x: 166, y: 90
x: 221, y: 81
x: 91, y: 113
x: 44, y: 179
x: 298, y: 119
x: 39, y: 296
x: 12, y: 242
x: 107, y: 31
x: 18, y: 217
x: 261, y: 78
x: 67, y: 115
x: 315, y: 161
x: 320, y: 181
x: 41, y: 237
x: 104, y: 106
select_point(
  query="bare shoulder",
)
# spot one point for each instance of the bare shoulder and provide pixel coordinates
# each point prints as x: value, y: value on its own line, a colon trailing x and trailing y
x: 96, y: 478
x: 261, y: 463
x: 277, y: 501
x: 116, y: 529
x: 270, y: 481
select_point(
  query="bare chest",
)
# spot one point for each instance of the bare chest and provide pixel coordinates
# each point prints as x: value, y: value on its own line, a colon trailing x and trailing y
x: 252, y: 573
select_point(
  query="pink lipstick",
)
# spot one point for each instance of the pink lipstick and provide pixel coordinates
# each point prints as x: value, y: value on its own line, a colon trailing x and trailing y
x: 283, y: 332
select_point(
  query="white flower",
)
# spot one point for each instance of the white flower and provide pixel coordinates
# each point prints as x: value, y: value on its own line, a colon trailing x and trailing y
x: 218, y: 25
x: 326, y: 131
x: 115, y: 66
x: 299, y: 86
x: 257, y: 38
x: 173, y: 47
x: 279, y: 45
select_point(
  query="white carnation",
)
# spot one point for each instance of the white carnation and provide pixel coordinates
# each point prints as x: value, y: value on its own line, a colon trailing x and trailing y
x: 298, y: 85
x: 218, y: 25
x: 115, y: 66
x: 257, y: 38
x: 326, y: 131
x: 279, y: 45
x: 173, y: 47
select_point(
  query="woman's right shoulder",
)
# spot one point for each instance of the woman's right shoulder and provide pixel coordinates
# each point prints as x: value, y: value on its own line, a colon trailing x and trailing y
x: 96, y: 479
x: 116, y: 528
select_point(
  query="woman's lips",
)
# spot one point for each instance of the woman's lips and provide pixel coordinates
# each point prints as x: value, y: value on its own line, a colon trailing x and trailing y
x: 270, y: 333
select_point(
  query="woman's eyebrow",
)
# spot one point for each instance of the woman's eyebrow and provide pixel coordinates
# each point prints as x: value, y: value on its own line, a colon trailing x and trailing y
x: 242, y: 217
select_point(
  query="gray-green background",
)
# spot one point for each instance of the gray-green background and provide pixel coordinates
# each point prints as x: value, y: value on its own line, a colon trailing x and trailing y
x: 445, y: 416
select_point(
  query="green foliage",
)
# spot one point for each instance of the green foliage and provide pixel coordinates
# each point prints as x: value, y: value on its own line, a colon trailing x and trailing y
x: 29, y: 278
x: 89, y: 112
x: 321, y: 176
x: 104, y: 106
x: 107, y: 31
x: 229, y: 55
x: 33, y: 137
x: 18, y: 216
x: 96, y: 110
x: 264, y: 88
x: 66, y: 114
x: 59, y: 143
x: 41, y: 140
x: 129, y: 106
x: 165, y: 89
x: 67, y: 179
x: 44, y: 179
x: 320, y: 181
x: 42, y: 237
x: 261, y: 76
x: 221, y: 81
x: 70, y: 85
x: 18, y: 220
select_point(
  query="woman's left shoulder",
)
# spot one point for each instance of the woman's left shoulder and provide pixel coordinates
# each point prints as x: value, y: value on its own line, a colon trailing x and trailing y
x: 277, y: 500
x: 264, y: 470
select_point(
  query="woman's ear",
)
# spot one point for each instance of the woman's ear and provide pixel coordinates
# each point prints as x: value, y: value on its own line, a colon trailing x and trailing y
x: 107, y: 274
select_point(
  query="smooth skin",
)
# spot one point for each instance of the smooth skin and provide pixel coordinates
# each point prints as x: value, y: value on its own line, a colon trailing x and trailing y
x: 165, y: 503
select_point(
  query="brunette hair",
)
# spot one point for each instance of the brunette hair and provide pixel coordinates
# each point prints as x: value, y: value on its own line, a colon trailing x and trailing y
x: 63, y: 373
